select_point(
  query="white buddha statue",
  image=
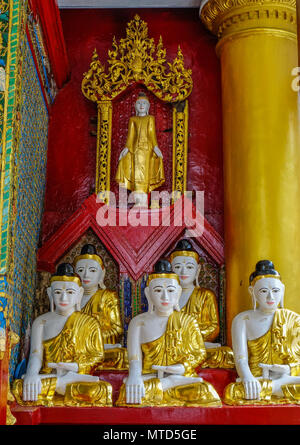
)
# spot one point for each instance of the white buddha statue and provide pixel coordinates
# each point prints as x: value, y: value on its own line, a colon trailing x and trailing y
x: 266, y: 345
x: 201, y: 303
x: 103, y: 304
x: 65, y: 347
x: 164, y: 349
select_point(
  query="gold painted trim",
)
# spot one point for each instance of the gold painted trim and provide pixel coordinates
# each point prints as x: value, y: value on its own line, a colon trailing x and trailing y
x: 65, y: 278
x: 184, y: 253
x: 88, y: 256
x: 259, y: 277
x: 223, y: 18
x: 7, y: 73
x: 152, y: 276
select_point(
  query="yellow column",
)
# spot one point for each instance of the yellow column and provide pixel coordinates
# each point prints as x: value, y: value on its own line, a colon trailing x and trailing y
x: 258, y: 50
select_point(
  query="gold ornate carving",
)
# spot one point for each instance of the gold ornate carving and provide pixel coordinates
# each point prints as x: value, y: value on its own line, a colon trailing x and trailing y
x: 103, y: 146
x: 180, y: 143
x: 137, y: 59
x: 224, y: 17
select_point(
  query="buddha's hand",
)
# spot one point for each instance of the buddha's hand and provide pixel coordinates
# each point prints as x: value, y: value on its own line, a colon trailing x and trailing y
x: 62, y: 367
x: 123, y: 153
x: 135, y: 389
x: 277, y: 369
x: 158, y: 152
x: 32, y: 387
x: 171, y: 369
x: 252, y: 388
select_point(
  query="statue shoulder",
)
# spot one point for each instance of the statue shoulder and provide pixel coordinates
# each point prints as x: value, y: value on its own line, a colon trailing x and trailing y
x: 242, y: 317
x: 138, y: 321
x: 44, y: 319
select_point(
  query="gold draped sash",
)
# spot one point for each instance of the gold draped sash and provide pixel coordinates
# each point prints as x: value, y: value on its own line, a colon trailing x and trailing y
x: 182, y: 342
x: 104, y: 305
x: 202, y: 304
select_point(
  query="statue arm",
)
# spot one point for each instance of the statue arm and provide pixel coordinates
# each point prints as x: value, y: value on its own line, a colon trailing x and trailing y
x: 36, y: 347
x: 251, y: 385
x: 134, y: 385
x: 32, y: 381
x: 152, y: 132
x: 130, y: 136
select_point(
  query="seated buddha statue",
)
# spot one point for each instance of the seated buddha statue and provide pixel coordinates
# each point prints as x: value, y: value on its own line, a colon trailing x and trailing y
x: 266, y: 345
x: 65, y: 347
x: 103, y: 304
x: 201, y: 303
x: 165, y: 347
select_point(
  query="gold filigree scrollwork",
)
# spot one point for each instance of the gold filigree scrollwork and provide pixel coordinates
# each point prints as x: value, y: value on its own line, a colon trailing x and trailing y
x: 180, y: 136
x: 136, y: 59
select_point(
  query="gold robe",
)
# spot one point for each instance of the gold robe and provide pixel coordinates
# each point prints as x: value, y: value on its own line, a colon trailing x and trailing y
x: 181, y: 343
x: 141, y: 170
x: 280, y: 346
x: 104, y: 305
x: 79, y: 341
x: 202, y: 304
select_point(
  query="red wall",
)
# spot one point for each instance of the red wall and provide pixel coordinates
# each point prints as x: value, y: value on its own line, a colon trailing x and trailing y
x: 72, y: 150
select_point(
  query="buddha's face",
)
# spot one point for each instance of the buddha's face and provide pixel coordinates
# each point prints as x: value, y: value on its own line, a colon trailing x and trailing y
x: 164, y: 294
x: 142, y: 107
x: 90, y: 272
x: 268, y: 293
x: 186, y: 268
x: 66, y: 295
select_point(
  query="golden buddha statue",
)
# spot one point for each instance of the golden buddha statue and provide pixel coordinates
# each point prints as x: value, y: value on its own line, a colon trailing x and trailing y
x: 140, y: 167
x: 102, y: 304
x: 66, y: 345
x: 164, y: 349
x: 201, y: 303
x: 266, y: 345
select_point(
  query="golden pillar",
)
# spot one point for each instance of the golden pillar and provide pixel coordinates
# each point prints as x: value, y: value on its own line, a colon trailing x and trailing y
x: 258, y: 50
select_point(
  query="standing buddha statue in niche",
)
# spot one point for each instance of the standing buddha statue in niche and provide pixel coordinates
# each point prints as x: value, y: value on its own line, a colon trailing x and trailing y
x: 201, y: 303
x: 140, y: 167
x: 103, y: 304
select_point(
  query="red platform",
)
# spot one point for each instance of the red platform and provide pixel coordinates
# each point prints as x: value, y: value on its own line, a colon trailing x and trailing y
x: 225, y: 415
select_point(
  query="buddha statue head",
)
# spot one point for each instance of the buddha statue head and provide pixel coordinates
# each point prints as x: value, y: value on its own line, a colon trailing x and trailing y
x: 90, y: 267
x: 65, y: 291
x: 163, y: 289
x: 266, y: 288
x: 142, y: 105
x: 185, y: 263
